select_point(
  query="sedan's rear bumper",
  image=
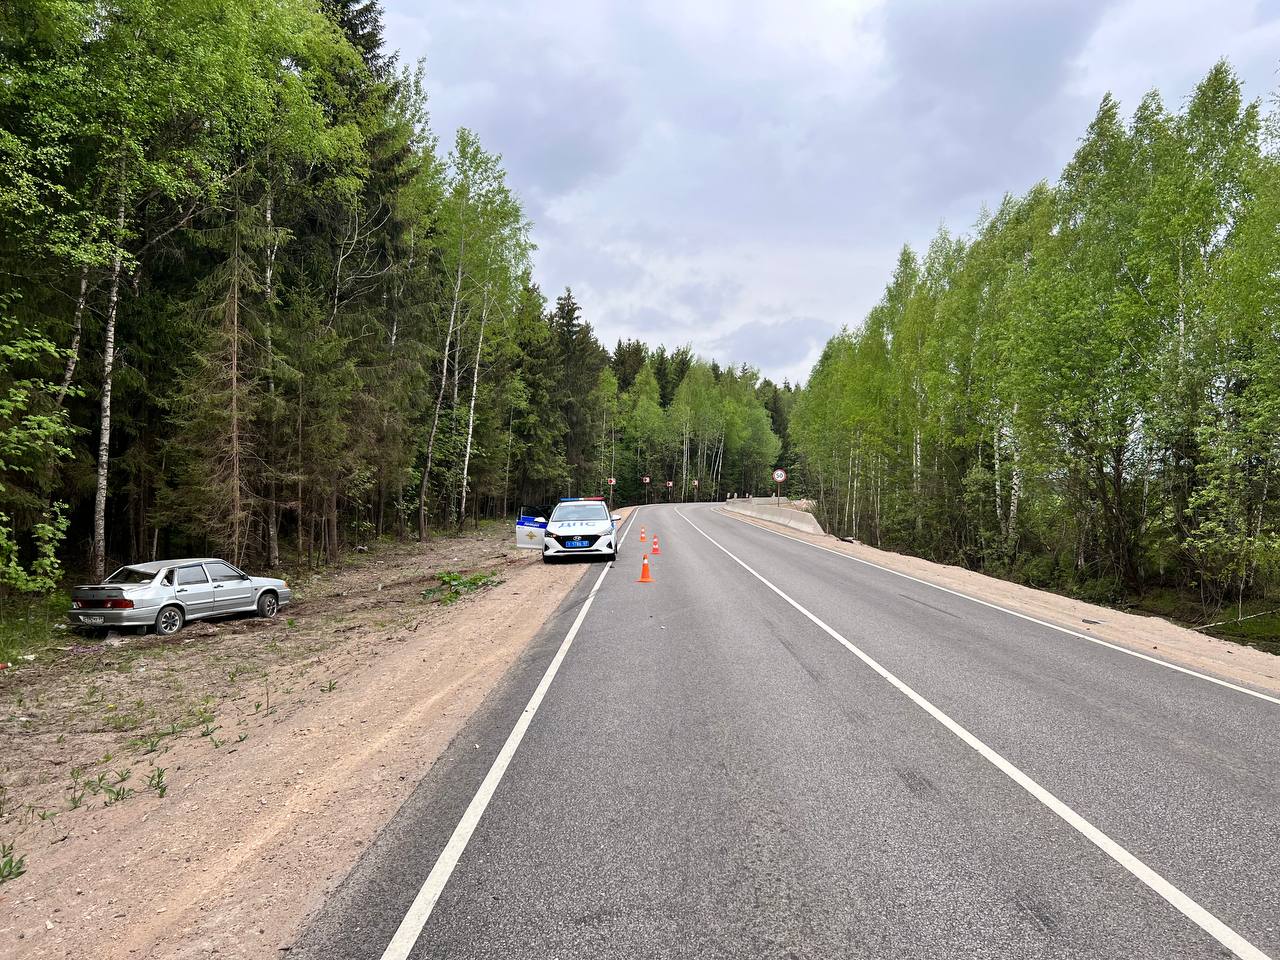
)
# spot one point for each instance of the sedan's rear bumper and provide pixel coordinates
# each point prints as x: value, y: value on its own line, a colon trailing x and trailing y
x: 137, y: 617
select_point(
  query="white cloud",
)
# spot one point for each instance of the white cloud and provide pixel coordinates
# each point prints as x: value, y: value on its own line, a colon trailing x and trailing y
x: 733, y: 173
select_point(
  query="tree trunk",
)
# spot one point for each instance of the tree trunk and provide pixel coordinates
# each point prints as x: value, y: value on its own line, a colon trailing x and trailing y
x: 98, y: 553
x: 332, y: 554
x: 73, y: 352
x: 435, y: 420
x: 471, y: 413
x: 233, y: 327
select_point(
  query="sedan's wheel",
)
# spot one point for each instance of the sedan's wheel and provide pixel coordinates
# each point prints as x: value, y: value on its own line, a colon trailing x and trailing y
x: 268, y: 604
x: 169, y: 621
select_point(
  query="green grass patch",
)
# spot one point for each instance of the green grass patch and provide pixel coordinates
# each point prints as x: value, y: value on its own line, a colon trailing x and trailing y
x: 454, y: 586
x: 31, y: 625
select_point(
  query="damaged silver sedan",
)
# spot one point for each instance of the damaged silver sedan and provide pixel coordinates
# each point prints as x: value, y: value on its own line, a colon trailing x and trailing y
x: 165, y: 594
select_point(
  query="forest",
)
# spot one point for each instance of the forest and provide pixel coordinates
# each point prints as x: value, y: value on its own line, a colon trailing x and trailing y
x: 250, y: 305
x: 1084, y: 393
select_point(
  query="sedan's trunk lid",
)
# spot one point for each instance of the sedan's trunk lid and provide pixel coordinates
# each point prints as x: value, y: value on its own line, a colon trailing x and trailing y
x: 104, y: 596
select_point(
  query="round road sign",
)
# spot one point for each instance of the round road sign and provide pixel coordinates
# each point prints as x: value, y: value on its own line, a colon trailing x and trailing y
x: 644, y: 479
x: 669, y: 483
x: 612, y: 481
x: 779, y: 475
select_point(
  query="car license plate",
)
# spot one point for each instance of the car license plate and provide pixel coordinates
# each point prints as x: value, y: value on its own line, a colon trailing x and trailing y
x: 84, y: 619
x: 576, y: 543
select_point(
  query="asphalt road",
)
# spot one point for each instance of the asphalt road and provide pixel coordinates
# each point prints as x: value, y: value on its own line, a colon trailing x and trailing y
x: 823, y: 759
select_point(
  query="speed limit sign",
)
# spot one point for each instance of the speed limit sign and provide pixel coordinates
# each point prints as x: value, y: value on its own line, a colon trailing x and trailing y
x: 612, y: 481
x: 779, y: 475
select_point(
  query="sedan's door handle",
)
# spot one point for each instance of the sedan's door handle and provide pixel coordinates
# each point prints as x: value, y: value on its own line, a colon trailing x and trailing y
x: 217, y: 586
x: 181, y: 590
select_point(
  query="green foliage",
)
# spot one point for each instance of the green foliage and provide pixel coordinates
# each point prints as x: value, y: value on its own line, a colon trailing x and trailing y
x: 1082, y: 394
x: 251, y: 306
x: 11, y: 866
x: 454, y: 586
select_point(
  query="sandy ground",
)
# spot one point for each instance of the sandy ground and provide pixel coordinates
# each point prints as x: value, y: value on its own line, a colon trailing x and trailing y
x: 1150, y: 635
x: 285, y: 745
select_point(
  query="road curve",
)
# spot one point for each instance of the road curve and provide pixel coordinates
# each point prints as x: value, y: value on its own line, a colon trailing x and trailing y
x: 775, y: 751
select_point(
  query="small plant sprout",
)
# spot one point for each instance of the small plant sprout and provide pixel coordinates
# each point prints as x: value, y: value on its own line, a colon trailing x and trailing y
x: 331, y: 686
x: 11, y: 867
x: 116, y: 794
x: 156, y: 782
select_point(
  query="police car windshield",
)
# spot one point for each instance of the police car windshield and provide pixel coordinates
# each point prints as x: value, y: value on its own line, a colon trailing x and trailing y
x: 589, y: 510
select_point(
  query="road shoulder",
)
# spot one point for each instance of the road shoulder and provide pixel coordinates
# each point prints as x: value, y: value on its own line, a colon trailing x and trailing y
x: 252, y: 838
x: 1148, y: 635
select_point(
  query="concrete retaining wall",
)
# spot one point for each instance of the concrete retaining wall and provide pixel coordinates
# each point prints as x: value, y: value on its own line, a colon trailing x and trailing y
x: 786, y: 514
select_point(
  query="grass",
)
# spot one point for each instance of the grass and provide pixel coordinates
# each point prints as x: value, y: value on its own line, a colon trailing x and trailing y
x: 11, y: 867
x: 31, y: 625
x: 1262, y: 632
x: 454, y: 586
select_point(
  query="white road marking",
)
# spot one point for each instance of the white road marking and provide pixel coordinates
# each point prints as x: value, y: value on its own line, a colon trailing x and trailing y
x: 1189, y: 908
x: 419, y: 912
x: 1022, y: 616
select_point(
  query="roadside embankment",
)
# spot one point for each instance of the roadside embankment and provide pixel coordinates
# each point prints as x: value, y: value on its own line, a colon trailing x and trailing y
x: 202, y: 796
x: 784, y: 512
x: 1149, y: 635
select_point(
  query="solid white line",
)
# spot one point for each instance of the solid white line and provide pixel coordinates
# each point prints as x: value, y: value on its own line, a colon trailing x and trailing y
x: 420, y: 910
x: 1021, y: 616
x: 1197, y: 914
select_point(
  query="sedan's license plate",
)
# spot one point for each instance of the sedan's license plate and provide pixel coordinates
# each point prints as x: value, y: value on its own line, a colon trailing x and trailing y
x: 84, y: 619
x: 576, y: 543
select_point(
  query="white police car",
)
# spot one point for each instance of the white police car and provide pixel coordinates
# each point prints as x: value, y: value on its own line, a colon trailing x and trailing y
x: 577, y: 526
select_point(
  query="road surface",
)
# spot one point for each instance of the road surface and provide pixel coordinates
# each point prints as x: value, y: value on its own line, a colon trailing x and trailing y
x: 777, y: 751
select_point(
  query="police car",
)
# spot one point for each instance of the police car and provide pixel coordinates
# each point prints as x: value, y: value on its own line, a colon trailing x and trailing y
x: 577, y: 526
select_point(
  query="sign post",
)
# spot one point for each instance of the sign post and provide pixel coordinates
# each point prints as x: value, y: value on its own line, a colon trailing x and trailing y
x: 612, y: 481
x: 695, y: 490
x: 669, y: 486
x: 778, y: 476
x: 645, y: 481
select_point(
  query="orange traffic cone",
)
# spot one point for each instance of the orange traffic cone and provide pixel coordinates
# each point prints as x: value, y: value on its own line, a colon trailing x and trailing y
x: 644, y: 571
x: 642, y: 534
x: 655, y: 551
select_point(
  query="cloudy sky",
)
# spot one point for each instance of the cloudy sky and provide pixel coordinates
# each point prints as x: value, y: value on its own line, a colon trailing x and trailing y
x: 740, y: 174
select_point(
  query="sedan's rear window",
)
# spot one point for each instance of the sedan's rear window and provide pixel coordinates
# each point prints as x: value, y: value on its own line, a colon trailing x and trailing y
x: 131, y: 575
x: 580, y: 511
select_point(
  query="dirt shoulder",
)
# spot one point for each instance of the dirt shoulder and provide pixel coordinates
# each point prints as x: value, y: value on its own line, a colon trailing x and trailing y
x: 1150, y: 635
x: 285, y: 746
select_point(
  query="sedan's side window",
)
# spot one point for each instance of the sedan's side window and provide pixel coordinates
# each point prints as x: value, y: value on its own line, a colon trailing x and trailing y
x: 190, y: 575
x: 222, y: 572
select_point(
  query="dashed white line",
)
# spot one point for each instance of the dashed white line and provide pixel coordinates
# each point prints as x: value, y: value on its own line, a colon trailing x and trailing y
x: 419, y: 912
x: 1189, y: 908
x: 1022, y: 616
